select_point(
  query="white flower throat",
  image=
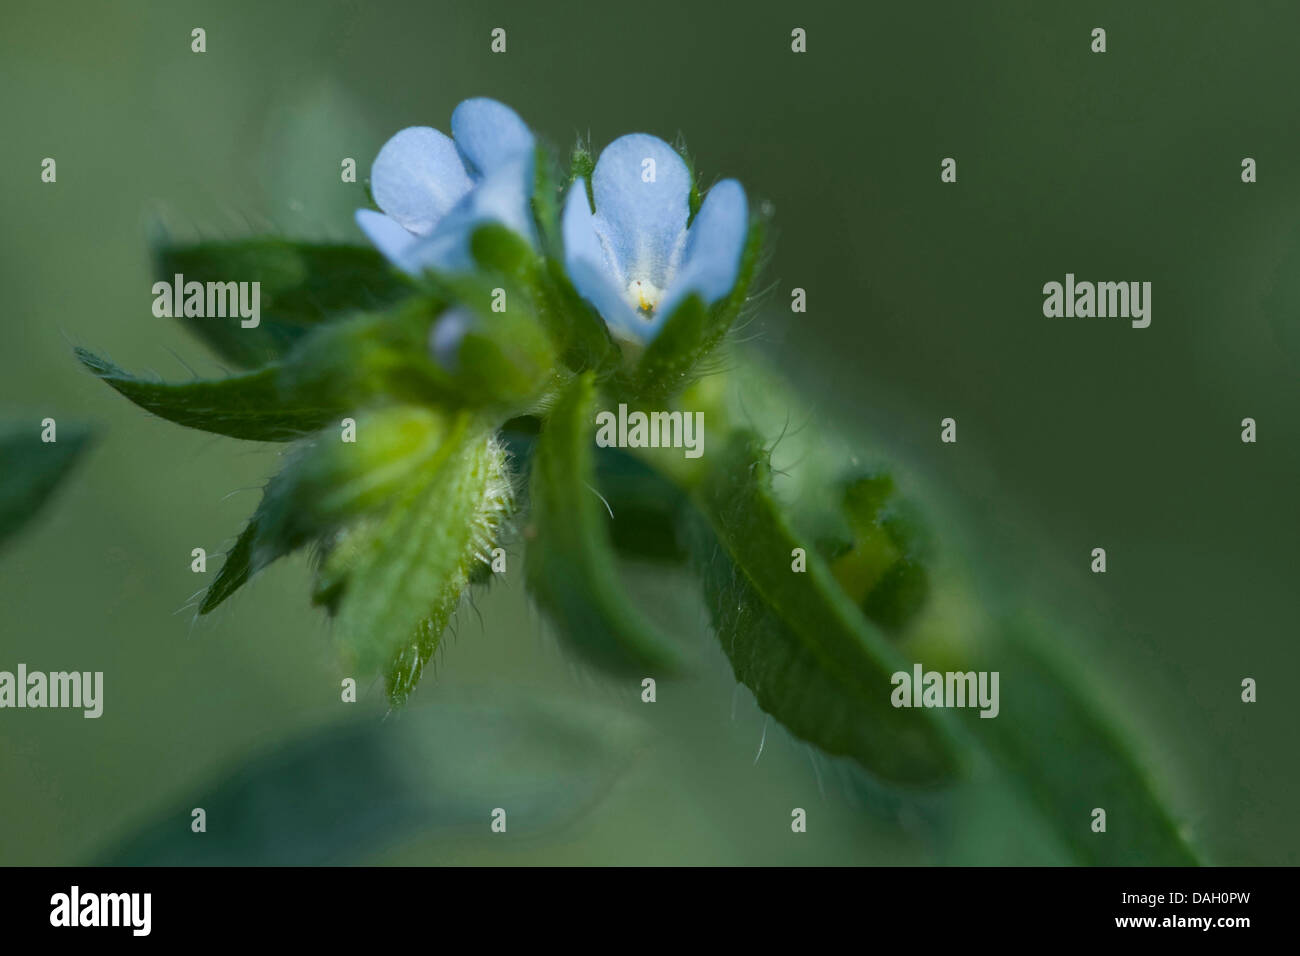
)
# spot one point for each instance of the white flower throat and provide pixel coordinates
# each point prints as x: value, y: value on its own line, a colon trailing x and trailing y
x: 643, y: 295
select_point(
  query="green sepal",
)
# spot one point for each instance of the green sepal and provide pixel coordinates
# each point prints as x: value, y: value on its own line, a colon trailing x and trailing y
x: 570, y: 563
x: 302, y: 285
x: 694, y: 198
x: 812, y: 660
x: 251, y: 406
x: 582, y: 164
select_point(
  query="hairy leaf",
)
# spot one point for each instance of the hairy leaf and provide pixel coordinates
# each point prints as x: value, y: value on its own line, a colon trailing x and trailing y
x: 400, y: 577
x: 250, y: 406
x: 797, y: 641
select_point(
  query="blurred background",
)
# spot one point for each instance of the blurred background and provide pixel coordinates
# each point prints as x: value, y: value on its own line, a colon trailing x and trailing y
x: 924, y: 301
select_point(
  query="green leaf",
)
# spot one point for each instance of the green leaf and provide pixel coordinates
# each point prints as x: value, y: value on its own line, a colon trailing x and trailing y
x: 30, y: 469
x: 328, y: 483
x: 302, y: 285
x: 1056, y: 743
x: 250, y: 406
x: 797, y: 641
x: 570, y: 563
x: 400, y: 577
x: 344, y: 794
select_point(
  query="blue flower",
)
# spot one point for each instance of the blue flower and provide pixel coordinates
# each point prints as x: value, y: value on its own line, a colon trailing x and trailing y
x: 435, y: 191
x: 633, y: 258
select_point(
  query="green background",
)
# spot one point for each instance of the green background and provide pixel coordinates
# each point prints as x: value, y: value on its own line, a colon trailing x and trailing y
x: 924, y: 301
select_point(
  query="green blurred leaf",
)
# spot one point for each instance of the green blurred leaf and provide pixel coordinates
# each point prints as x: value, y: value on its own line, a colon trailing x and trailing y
x: 345, y: 793
x: 31, y: 469
x: 1055, y: 742
x: 250, y: 406
x: 570, y: 565
x: 302, y: 284
x: 797, y: 641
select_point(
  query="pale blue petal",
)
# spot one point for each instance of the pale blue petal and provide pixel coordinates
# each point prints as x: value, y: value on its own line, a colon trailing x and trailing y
x: 447, y: 250
x: 503, y: 197
x: 715, y: 244
x: 642, y: 223
x: 489, y: 133
x: 417, y: 177
x: 590, y: 269
x: 446, y: 335
x: 392, y: 241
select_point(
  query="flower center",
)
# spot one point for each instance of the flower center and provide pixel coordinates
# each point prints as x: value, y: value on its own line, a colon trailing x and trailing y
x: 644, y: 295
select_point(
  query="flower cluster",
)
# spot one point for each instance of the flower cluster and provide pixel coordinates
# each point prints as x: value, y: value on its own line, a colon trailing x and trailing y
x: 442, y: 389
x: 425, y: 378
x: 634, y: 258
